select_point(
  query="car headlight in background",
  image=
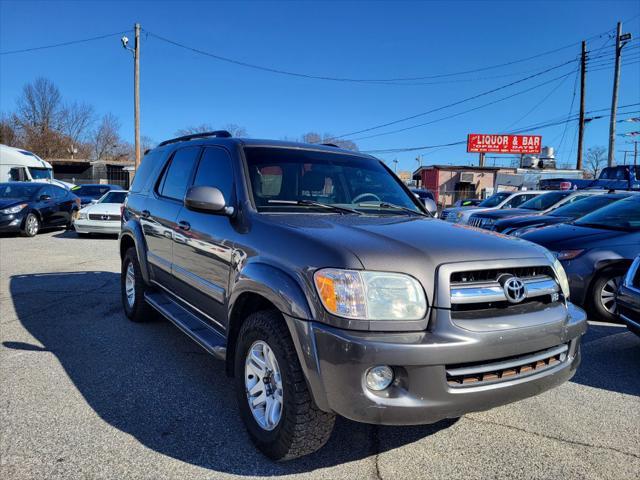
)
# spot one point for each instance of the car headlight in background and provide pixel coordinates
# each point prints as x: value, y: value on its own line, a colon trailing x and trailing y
x: 568, y: 254
x: 82, y: 215
x: 368, y: 295
x: 14, y: 209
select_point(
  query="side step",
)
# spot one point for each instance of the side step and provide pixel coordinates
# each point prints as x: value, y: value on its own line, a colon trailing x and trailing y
x: 189, y: 322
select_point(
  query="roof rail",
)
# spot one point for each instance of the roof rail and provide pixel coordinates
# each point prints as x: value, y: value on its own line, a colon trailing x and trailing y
x: 191, y: 136
x: 330, y: 145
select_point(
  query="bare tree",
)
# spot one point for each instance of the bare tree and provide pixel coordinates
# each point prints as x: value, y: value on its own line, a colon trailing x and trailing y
x: 313, y: 137
x: 8, y: 133
x: 76, y: 120
x: 232, y: 128
x: 106, y: 139
x: 596, y: 158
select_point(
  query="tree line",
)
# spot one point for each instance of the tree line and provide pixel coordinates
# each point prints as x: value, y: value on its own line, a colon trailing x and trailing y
x: 52, y: 127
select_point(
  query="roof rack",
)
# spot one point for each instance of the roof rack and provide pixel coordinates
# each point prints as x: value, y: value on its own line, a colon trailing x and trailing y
x: 330, y: 145
x: 191, y: 136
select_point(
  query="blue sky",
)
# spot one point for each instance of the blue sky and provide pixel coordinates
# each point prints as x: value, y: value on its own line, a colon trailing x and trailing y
x: 338, y: 39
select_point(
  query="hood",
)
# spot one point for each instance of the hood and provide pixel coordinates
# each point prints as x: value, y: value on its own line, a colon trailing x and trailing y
x: 526, y: 220
x: 9, y: 202
x: 59, y: 183
x: 381, y: 241
x: 566, y: 236
x: 103, y: 208
x: 506, y: 212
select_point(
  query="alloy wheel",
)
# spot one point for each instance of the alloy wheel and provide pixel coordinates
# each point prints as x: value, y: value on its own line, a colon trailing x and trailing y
x: 130, y: 285
x: 263, y: 383
x: 32, y: 225
x: 608, y: 295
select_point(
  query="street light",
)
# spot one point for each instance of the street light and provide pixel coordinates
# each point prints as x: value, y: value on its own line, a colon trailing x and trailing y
x: 136, y: 86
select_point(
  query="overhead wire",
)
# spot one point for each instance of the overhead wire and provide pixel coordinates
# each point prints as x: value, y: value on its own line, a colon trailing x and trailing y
x: 64, y: 44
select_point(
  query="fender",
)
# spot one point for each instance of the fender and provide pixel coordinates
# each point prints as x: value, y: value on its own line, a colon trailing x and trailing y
x: 133, y: 231
x: 275, y: 285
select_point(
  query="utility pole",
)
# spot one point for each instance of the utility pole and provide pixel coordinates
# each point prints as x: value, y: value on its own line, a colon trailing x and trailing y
x: 583, y: 73
x: 481, y: 161
x: 395, y: 165
x: 620, y: 42
x: 136, y: 93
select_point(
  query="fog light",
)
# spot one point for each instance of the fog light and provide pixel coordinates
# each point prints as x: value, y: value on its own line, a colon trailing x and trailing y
x: 378, y: 378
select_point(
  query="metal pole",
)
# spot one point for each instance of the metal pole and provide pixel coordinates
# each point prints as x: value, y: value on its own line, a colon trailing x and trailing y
x: 611, y: 160
x: 635, y: 154
x: 481, y: 161
x: 583, y: 73
x: 136, y: 93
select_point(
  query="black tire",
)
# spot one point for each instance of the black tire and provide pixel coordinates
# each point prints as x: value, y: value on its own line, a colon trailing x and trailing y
x: 30, y: 226
x: 139, y: 310
x: 303, y: 428
x: 605, y: 311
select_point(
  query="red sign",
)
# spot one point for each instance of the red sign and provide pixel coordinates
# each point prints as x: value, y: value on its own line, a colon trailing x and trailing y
x: 485, y: 143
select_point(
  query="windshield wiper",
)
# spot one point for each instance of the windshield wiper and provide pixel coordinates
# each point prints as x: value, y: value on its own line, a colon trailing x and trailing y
x: 393, y: 206
x: 311, y: 203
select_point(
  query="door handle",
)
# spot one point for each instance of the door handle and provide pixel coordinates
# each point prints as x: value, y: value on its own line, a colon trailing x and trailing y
x: 145, y: 214
x: 184, y: 226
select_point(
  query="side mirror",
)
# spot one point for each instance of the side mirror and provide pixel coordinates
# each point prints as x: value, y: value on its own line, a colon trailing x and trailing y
x: 207, y: 199
x: 44, y: 198
x: 431, y: 206
x: 94, y: 201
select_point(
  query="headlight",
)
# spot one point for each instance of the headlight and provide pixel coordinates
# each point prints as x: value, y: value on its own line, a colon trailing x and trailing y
x: 568, y: 254
x: 370, y: 295
x: 15, y: 209
x: 561, y: 275
x: 82, y: 215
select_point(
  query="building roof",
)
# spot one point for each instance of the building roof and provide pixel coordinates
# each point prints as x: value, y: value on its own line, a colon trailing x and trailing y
x: 457, y: 168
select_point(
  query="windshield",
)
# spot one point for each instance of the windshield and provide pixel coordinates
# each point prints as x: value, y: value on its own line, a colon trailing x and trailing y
x: 18, y: 191
x: 296, y: 175
x: 113, y: 197
x: 90, y: 190
x: 584, y: 206
x: 622, y: 215
x: 544, y: 201
x: 38, y: 173
x: 494, y: 200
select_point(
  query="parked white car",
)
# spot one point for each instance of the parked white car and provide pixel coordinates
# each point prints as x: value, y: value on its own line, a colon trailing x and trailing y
x: 494, y: 202
x: 18, y: 165
x: 101, y: 216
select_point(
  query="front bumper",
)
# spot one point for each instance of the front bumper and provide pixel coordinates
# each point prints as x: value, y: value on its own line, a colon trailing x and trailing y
x: 335, y: 362
x: 97, y: 226
x: 11, y: 223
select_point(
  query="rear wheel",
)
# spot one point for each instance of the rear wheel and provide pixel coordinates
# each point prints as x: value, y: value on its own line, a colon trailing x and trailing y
x: 31, y: 225
x: 603, y: 295
x: 275, y: 404
x: 133, y: 288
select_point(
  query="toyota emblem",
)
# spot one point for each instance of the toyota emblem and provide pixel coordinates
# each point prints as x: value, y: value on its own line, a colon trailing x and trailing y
x: 514, y: 289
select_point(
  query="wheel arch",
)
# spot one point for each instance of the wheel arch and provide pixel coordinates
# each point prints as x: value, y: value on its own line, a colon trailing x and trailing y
x: 131, y: 236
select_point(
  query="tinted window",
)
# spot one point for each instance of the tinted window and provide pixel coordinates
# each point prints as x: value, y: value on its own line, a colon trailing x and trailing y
x: 622, y: 215
x: 12, y: 190
x: 144, y: 171
x: 544, y: 201
x: 17, y: 174
x: 518, y: 200
x: 58, y: 192
x: 215, y: 170
x: 90, y: 190
x: 584, y: 206
x: 494, y: 199
x: 176, y: 177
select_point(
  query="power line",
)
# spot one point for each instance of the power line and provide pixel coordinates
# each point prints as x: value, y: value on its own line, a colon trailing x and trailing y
x: 411, y: 117
x: 466, y: 111
x: 64, y: 44
x: 573, y: 99
x: 358, y: 80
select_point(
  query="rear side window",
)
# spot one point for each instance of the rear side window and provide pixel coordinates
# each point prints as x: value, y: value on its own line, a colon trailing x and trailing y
x: 177, y: 175
x: 145, y: 169
x: 58, y: 192
x: 215, y: 170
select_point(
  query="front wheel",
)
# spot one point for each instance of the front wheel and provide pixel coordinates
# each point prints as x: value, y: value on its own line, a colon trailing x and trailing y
x: 31, y: 225
x: 275, y: 404
x: 133, y: 288
x: 604, y: 293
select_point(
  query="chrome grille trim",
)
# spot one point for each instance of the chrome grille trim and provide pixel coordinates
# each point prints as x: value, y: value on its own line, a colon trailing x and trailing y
x: 469, y: 293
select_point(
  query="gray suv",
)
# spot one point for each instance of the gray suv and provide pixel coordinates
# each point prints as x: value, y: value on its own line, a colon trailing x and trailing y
x: 327, y: 288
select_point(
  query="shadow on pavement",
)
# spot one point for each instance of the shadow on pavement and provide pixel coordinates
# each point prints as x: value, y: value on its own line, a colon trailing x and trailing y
x: 72, y: 234
x: 610, y: 359
x: 152, y: 382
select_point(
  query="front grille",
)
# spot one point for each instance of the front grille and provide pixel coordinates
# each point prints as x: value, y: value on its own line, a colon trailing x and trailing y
x: 481, y: 222
x: 505, y: 369
x: 476, y: 290
x: 104, y: 217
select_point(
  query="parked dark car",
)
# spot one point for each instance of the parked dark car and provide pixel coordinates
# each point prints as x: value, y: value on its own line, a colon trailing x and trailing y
x: 27, y: 207
x: 327, y: 288
x: 596, y: 252
x: 518, y: 226
x: 620, y: 177
x: 540, y: 204
x: 629, y: 298
x: 90, y: 191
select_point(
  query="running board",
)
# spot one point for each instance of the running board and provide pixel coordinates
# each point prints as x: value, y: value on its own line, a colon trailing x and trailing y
x: 189, y: 322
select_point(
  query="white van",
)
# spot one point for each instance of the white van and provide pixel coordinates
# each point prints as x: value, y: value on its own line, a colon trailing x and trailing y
x: 17, y: 165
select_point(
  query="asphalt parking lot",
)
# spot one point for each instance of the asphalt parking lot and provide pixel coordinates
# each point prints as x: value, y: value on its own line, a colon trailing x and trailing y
x: 84, y: 393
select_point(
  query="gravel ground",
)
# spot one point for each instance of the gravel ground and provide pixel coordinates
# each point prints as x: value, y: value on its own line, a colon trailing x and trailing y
x: 84, y: 393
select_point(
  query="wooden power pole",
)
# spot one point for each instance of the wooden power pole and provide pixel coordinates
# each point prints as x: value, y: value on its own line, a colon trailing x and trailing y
x: 583, y: 73
x: 136, y: 93
x: 611, y: 160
